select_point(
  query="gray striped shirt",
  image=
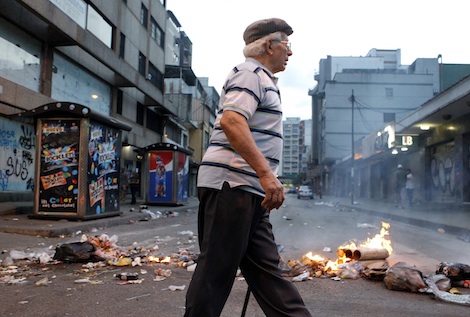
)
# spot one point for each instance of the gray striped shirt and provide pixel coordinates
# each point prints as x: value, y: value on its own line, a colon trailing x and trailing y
x: 251, y: 90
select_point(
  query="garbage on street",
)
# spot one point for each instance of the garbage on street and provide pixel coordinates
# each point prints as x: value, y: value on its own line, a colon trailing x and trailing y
x: 102, y: 254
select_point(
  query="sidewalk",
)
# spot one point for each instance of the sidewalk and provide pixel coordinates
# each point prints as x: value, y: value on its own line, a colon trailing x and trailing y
x: 22, y: 224
x: 446, y: 218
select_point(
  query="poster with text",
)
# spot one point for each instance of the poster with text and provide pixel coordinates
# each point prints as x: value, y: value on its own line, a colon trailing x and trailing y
x: 104, y: 150
x: 58, y: 174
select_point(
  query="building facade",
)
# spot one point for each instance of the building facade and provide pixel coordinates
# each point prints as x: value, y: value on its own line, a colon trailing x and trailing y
x: 118, y: 59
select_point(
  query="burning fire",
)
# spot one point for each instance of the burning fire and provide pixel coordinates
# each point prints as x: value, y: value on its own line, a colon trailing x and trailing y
x: 380, y: 241
x: 380, y: 245
x: 163, y: 260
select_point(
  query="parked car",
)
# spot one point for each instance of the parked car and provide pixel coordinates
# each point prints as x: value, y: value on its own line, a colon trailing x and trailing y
x: 305, y: 191
x: 292, y: 190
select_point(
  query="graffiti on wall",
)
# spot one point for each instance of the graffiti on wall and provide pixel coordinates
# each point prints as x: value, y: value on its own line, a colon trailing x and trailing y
x: 443, y: 173
x: 17, y: 146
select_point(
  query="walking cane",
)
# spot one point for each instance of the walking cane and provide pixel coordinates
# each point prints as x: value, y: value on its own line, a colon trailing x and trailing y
x: 245, y: 304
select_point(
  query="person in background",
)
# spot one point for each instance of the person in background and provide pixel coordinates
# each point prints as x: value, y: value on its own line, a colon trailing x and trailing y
x: 409, y: 186
x: 400, y: 182
x: 238, y: 187
x: 124, y: 183
x: 134, y: 184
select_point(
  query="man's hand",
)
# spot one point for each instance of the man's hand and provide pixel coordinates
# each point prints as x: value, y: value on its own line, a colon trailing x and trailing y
x: 274, y: 192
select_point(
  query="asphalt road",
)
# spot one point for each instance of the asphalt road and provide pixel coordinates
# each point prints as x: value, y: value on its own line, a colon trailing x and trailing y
x: 300, y: 226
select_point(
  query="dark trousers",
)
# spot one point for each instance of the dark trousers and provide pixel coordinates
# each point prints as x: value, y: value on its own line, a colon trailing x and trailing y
x: 234, y: 231
x: 134, y: 191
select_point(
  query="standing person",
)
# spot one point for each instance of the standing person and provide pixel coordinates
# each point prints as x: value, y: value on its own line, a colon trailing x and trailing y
x: 409, y: 185
x: 238, y: 187
x: 400, y: 182
x: 134, y: 183
x: 124, y: 183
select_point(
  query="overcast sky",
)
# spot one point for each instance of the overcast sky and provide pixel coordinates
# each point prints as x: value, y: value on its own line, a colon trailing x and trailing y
x: 421, y: 29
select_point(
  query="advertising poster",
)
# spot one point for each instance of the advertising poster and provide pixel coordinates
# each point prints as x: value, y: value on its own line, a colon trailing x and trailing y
x: 183, y: 177
x: 103, y: 168
x: 161, y: 176
x: 58, y: 174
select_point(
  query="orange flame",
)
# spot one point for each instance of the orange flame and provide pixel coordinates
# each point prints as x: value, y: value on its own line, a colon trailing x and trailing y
x: 164, y: 260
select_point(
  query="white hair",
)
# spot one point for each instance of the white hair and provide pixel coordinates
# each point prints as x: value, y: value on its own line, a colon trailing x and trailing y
x: 258, y: 48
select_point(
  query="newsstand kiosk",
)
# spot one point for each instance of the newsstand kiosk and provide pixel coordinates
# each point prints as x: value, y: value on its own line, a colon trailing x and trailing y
x: 167, y: 167
x: 78, y: 154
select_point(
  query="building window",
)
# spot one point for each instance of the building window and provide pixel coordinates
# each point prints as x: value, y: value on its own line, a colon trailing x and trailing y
x: 122, y: 45
x: 20, y: 56
x: 389, y: 117
x: 119, y: 102
x: 155, y: 77
x: 139, y: 119
x: 144, y: 15
x: 73, y: 83
x: 156, y: 32
x: 142, y: 62
x: 388, y: 92
x: 154, y: 121
x: 97, y: 25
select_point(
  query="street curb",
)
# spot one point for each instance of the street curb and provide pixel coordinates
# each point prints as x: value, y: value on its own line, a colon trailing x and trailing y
x: 21, y: 224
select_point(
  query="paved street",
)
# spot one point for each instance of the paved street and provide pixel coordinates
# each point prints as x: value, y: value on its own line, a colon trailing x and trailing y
x: 300, y: 226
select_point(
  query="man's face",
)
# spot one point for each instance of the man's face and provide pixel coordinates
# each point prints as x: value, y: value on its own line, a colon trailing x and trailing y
x: 281, y: 52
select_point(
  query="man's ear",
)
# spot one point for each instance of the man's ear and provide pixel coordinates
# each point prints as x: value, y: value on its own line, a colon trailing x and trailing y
x: 269, y: 49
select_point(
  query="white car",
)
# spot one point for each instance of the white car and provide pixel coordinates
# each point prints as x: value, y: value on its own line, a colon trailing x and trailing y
x: 305, y: 191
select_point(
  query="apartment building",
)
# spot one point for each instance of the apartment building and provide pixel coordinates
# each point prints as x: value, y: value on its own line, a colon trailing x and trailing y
x: 127, y: 61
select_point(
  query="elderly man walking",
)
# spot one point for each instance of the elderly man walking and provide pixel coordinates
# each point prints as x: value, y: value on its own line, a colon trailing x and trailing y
x: 238, y: 187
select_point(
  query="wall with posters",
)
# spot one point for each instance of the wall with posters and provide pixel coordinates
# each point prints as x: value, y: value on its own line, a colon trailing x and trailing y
x: 17, y: 156
x: 168, y: 177
x: 59, y: 165
x: 104, y: 149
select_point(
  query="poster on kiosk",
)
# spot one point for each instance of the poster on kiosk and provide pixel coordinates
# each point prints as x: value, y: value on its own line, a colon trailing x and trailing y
x: 78, y: 150
x: 169, y: 178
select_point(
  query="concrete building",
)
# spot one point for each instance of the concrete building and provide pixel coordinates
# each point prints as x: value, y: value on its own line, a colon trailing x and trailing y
x: 376, y: 87
x: 291, y: 149
x: 433, y: 141
x: 126, y: 60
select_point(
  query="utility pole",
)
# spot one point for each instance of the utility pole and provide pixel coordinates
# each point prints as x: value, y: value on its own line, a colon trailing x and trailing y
x: 352, y: 99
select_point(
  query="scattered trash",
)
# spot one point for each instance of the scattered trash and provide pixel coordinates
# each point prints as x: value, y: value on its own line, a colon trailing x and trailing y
x: 448, y: 297
x: 404, y: 277
x: 187, y: 232
x: 20, y: 255
x: 191, y: 267
x: 130, y: 282
x: 440, y: 230
x: 137, y: 297
x: 302, y: 277
x: 454, y: 290
x: 42, y: 282
x: 454, y: 271
x: 366, y: 225
x: 350, y: 270
x: 463, y: 283
x: 127, y: 276
x: 176, y: 288
x: 76, y: 252
x: 163, y: 272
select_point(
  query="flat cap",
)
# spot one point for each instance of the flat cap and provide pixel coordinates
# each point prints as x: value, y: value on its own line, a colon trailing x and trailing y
x: 258, y: 29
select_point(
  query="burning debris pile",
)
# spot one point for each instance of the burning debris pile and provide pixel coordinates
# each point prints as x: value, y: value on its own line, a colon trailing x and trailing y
x: 369, y: 260
x: 365, y: 259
